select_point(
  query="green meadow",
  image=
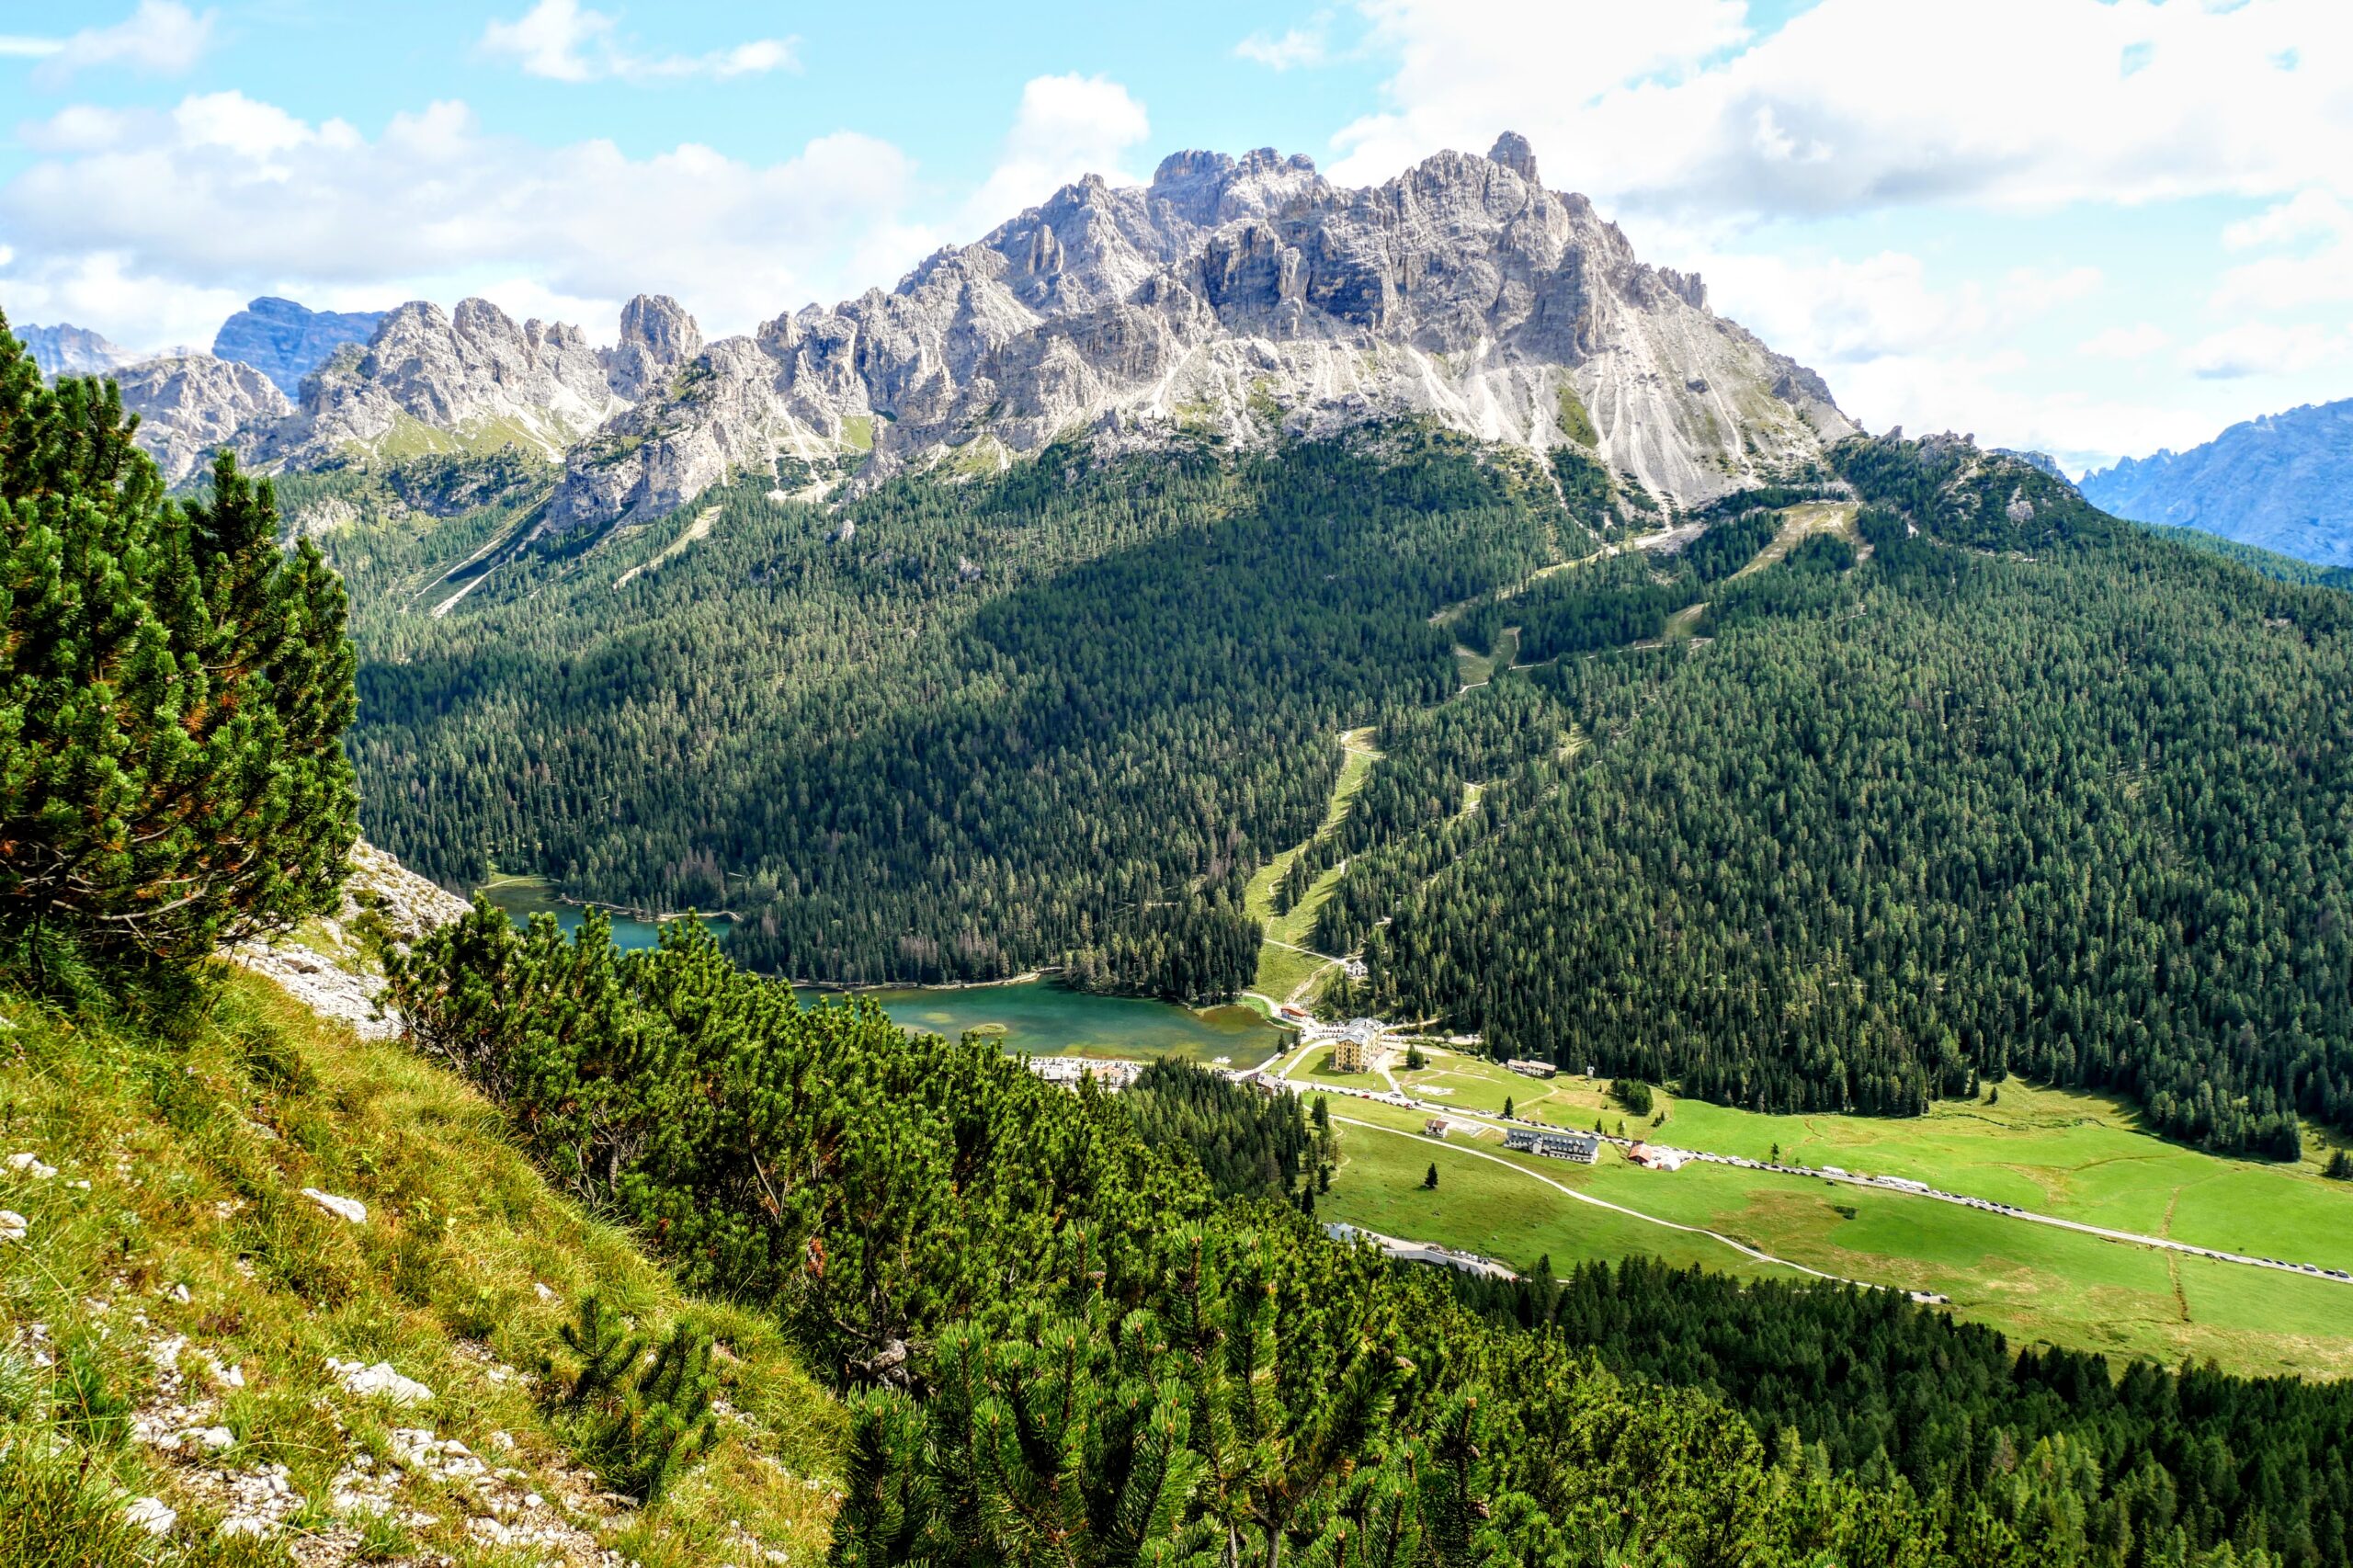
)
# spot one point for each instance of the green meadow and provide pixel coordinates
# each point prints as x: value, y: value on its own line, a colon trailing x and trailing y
x: 2073, y: 1155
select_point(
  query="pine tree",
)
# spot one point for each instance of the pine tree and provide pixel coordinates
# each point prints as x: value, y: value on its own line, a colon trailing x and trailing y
x: 173, y: 690
x: 1506, y: 1108
x: 2340, y: 1167
x: 1431, y: 1180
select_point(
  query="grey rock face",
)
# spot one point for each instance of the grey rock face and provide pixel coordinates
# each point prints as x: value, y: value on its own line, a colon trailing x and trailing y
x: 1512, y: 151
x: 430, y: 381
x: 69, y: 350
x: 2283, y: 482
x: 286, y: 341
x: 191, y: 405
x: 658, y: 336
x: 2042, y: 462
x: 1242, y: 298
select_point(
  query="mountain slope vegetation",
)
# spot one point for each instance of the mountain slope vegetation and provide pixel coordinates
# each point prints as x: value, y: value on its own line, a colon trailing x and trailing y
x: 1059, y: 1344
x: 1986, y: 783
x: 1058, y: 1341
x: 2028, y: 792
x: 945, y: 732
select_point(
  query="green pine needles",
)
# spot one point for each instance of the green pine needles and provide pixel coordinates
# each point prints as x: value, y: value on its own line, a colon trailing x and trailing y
x: 1171, y: 1434
x: 174, y: 689
x: 643, y: 1417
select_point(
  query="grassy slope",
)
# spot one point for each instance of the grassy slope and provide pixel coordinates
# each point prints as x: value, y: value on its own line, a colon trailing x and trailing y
x: 2063, y: 1154
x: 196, y: 1140
x: 1282, y: 970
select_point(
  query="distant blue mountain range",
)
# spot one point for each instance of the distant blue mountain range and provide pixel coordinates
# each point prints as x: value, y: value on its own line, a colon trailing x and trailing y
x: 2283, y: 482
x: 286, y: 341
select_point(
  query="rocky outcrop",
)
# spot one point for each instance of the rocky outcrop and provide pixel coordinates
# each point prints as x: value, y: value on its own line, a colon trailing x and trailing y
x: 658, y: 336
x: 69, y: 350
x: 333, y: 968
x: 1240, y: 299
x: 2283, y: 482
x: 472, y: 379
x: 286, y: 341
x: 191, y: 405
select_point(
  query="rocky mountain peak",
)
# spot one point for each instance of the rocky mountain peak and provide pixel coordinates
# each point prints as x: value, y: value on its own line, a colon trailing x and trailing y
x: 658, y: 336
x: 1512, y: 151
x: 431, y: 379
x: 69, y: 350
x: 1246, y: 299
x: 191, y: 405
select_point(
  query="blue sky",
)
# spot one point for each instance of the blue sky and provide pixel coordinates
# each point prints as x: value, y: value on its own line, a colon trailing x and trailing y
x: 2092, y: 226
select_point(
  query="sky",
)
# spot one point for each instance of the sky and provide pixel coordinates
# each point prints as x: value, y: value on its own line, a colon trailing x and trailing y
x: 2090, y: 227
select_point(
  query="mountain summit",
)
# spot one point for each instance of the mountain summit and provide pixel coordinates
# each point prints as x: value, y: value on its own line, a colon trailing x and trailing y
x: 1245, y: 300
x: 1242, y: 298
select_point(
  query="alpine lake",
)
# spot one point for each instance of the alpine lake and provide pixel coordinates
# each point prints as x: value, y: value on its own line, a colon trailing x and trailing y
x: 1034, y: 1018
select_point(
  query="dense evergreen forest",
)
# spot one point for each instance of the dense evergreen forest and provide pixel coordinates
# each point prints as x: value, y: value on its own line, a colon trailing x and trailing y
x: 1861, y: 1382
x: 2027, y: 791
x: 1992, y: 784
x: 1248, y: 1143
x: 946, y: 732
x: 1040, y: 1315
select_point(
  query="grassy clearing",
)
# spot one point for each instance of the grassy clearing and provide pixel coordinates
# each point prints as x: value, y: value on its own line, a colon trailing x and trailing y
x: 1281, y: 971
x: 2075, y: 1156
x: 1803, y: 519
x: 192, y: 1251
x: 2036, y: 1284
x: 1488, y: 1209
x: 2079, y: 1156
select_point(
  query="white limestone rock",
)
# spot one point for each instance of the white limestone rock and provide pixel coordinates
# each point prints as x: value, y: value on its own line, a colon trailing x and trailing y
x: 343, y: 983
x: 349, y: 1209
x: 152, y: 1514
x: 657, y: 337
x: 191, y: 405
x: 379, y: 1381
x: 1246, y: 299
x: 437, y: 381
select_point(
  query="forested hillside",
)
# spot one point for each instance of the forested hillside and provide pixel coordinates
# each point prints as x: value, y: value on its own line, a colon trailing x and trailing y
x: 2029, y: 790
x: 946, y: 731
x: 1981, y: 782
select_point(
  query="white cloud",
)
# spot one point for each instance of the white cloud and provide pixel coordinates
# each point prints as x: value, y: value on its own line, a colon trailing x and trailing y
x: 2136, y: 342
x: 1066, y: 127
x: 1866, y: 104
x: 1295, y: 47
x: 162, y: 37
x: 565, y: 41
x: 1837, y: 312
x: 143, y: 224
x: 2310, y: 214
x: 2265, y: 349
x: 2320, y: 274
x: 105, y: 291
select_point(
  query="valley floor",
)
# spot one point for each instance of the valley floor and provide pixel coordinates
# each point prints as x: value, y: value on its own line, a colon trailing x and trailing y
x: 2075, y: 1157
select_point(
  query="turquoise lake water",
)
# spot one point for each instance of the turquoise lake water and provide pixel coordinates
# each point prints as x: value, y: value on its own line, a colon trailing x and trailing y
x: 1037, y: 1017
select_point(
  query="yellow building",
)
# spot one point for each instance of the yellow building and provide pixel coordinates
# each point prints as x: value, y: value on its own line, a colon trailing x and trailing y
x: 1349, y: 1055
